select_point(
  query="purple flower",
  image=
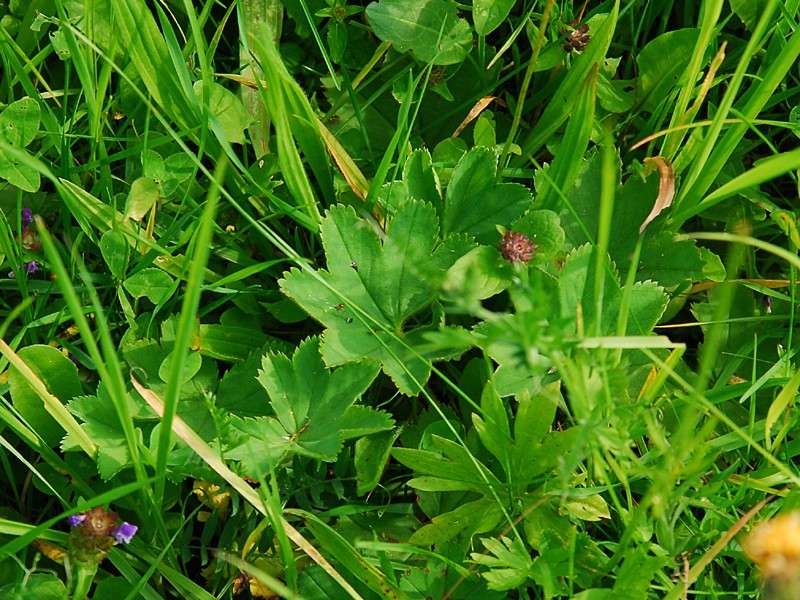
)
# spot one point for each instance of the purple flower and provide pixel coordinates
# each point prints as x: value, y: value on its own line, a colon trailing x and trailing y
x: 768, y: 304
x: 75, y: 520
x: 29, y: 267
x: 27, y: 216
x: 125, y: 532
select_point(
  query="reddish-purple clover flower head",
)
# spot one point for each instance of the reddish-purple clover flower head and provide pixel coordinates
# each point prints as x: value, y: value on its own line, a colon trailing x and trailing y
x: 125, y: 532
x: 516, y: 247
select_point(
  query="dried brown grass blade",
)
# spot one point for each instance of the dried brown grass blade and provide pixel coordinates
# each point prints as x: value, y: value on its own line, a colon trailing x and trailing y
x: 666, y: 188
x: 479, y: 107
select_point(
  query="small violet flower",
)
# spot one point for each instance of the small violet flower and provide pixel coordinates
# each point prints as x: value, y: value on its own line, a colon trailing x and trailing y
x: 29, y: 267
x: 125, y: 532
x: 26, y: 216
x: 75, y: 520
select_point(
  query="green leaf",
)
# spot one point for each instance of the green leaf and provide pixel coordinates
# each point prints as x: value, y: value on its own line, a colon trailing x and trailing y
x: 101, y: 424
x: 662, y: 259
x: 596, y: 594
x: 337, y: 40
x: 136, y: 30
x: 112, y: 588
x: 42, y: 586
x: 777, y: 409
x: 371, y: 288
x: 662, y: 63
x: 484, y: 133
x: 508, y: 560
x: 543, y: 227
x: 431, y: 29
x: 535, y: 415
x: 141, y: 198
x: 359, y: 421
x: 371, y: 456
x: 19, y: 174
x: 191, y: 366
x: 228, y: 110
x: 311, y: 407
x: 151, y: 283
x: 481, y: 273
x: 615, y: 95
x: 293, y: 119
x: 116, y: 252
x: 59, y: 375
x: 490, y: 14
x: 229, y: 342
x: 474, y: 517
x: 588, y: 508
x: 492, y: 426
x: 749, y: 11
x: 438, y: 576
x: 450, y: 463
x: 239, y: 391
x: 178, y: 168
x: 475, y: 204
x: 19, y: 122
x: 637, y: 571
x: 564, y: 169
x: 648, y: 300
x: 350, y: 559
x: 669, y: 261
x: 420, y: 178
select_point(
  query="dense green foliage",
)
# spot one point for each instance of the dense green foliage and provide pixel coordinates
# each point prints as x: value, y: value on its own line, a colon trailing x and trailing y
x: 401, y: 299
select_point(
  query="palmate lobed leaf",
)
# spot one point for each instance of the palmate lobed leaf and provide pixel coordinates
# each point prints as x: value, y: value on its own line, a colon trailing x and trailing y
x: 313, y: 408
x: 370, y: 289
x: 508, y: 560
x: 475, y: 203
x: 648, y: 300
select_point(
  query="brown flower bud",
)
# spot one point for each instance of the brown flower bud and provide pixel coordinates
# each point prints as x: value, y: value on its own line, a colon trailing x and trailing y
x: 516, y: 247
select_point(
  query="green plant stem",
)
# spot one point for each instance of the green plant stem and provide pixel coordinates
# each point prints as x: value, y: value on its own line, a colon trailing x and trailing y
x: 526, y: 82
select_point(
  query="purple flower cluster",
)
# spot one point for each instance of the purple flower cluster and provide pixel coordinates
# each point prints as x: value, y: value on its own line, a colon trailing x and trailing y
x: 100, y: 523
x: 30, y: 241
x: 29, y: 267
